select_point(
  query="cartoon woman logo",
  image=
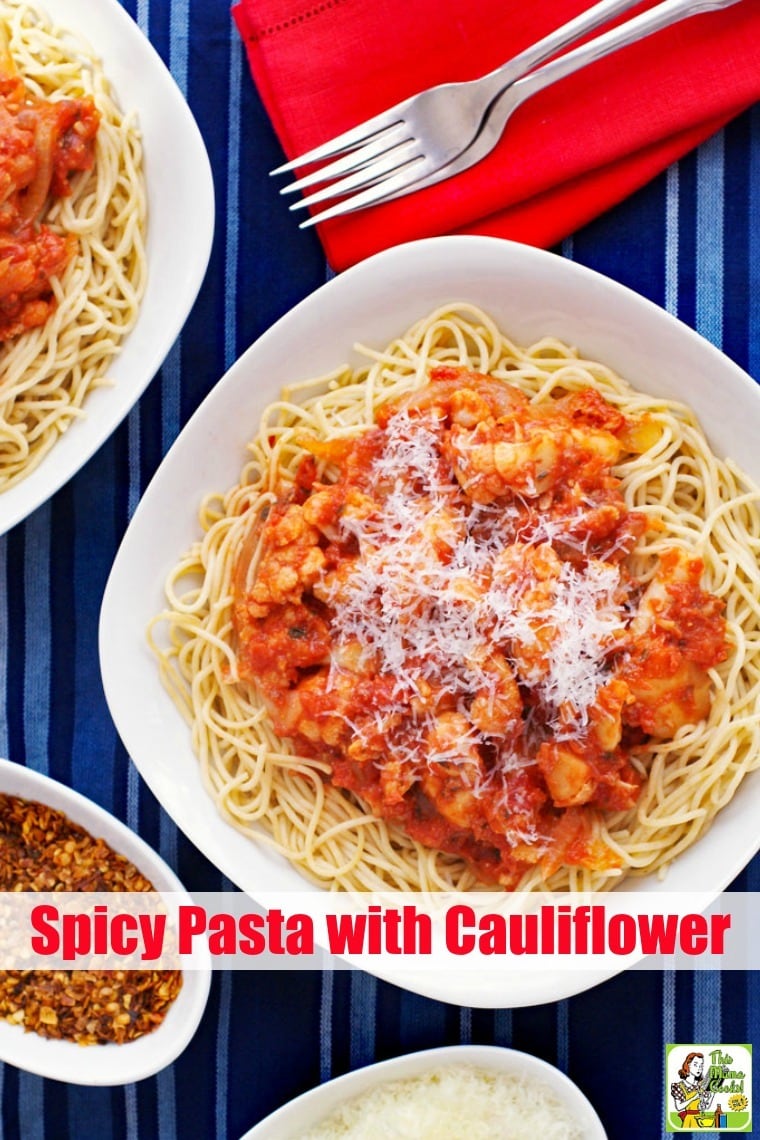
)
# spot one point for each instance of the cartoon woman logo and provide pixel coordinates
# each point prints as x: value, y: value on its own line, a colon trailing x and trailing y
x: 692, y: 1094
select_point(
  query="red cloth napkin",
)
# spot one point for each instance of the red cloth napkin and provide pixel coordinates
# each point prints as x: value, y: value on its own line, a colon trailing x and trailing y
x: 568, y: 153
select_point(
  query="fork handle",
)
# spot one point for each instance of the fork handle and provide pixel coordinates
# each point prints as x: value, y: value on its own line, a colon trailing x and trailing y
x: 555, y: 42
x: 655, y: 19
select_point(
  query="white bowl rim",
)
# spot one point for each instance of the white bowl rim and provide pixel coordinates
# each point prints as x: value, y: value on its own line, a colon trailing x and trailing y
x: 108, y: 1064
x: 496, y: 1058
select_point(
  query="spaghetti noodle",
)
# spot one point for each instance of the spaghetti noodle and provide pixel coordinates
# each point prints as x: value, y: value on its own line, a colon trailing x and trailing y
x: 677, y: 513
x: 94, y: 220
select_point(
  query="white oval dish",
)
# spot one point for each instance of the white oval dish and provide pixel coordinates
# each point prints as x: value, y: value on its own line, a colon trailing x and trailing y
x: 530, y: 293
x: 180, y: 231
x: 307, y: 1110
x: 104, y: 1064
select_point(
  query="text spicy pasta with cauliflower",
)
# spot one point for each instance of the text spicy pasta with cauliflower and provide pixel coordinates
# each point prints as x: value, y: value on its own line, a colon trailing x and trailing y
x: 450, y: 623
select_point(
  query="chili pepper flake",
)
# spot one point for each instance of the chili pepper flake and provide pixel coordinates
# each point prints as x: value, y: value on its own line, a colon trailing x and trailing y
x: 41, y: 849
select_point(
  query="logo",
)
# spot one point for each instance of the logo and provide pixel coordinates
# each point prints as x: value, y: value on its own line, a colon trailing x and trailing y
x: 708, y: 1087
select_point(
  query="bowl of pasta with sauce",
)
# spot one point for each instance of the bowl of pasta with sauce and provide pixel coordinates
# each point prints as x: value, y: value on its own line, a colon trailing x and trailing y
x: 101, y: 260
x: 471, y: 604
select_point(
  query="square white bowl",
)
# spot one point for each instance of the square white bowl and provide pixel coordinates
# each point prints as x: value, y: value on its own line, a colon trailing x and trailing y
x: 530, y: 293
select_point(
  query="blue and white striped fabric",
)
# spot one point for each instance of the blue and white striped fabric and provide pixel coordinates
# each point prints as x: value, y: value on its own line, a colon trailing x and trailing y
x: 690, y: 242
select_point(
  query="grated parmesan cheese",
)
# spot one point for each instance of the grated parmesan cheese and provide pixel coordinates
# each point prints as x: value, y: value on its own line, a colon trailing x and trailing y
x: 428, y: 602
x: 454, y: 1103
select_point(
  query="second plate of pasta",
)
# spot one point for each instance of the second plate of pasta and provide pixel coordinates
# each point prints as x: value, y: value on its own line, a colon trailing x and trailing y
x: 103, y: 260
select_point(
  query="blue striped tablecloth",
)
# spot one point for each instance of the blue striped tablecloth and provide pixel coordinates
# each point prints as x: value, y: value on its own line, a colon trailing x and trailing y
x: 691, y: 242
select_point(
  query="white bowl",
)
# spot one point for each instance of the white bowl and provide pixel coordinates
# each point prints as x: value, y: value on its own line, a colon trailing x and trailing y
x: 306, y: 1111
x: 530, y: 293
x: 180, y: 230
x: 109, y: 1064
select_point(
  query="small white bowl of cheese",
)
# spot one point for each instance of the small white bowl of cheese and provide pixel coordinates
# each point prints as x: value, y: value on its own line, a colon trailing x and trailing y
x: 458, y: 1092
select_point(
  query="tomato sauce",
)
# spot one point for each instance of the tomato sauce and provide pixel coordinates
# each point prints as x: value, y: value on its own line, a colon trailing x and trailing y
x: 42, y: 143
x: 451, y: 624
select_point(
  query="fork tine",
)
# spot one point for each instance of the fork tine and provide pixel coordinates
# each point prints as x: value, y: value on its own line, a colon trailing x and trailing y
x: 355, y: 159
x: 385, y: 187
x: 350, y: 139
x: 367, y: 175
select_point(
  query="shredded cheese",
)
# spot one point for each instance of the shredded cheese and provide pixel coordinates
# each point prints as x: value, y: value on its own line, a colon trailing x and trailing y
x: 428, y: 600
x: 454, y: 1103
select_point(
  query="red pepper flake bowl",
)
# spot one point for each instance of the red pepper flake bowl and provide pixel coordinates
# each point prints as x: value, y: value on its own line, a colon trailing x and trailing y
x: 88, y: 1050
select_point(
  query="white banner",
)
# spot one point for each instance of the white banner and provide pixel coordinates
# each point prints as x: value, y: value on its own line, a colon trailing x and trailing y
x: 492, y: 932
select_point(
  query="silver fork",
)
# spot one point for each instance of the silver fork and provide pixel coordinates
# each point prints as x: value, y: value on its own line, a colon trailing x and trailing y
x: 444, y: 130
